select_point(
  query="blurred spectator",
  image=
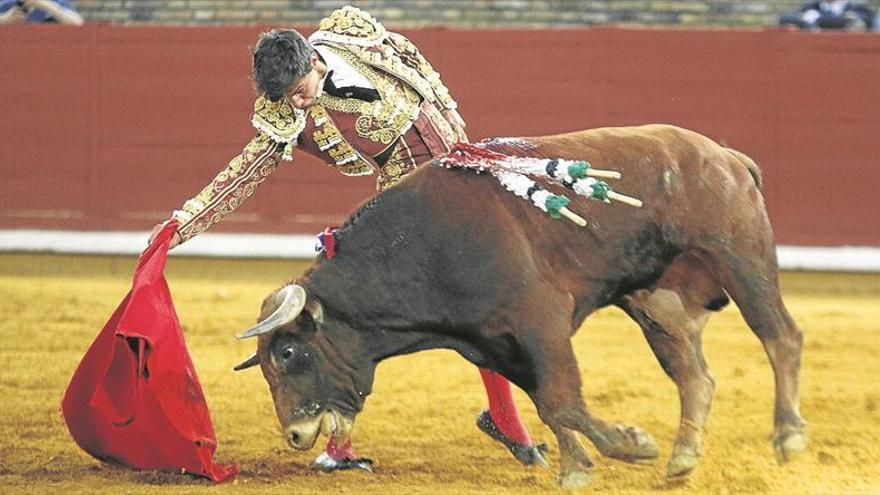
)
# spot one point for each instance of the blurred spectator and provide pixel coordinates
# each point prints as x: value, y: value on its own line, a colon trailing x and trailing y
x: 877, y: 21
x: 36, y: 11
x: 834, y: 14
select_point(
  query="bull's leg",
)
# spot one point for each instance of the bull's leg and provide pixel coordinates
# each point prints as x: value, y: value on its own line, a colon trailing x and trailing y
x: 560, y: 405
x: 574, y: 463
x: 749, y: 273
x: 672, y: 317
x: 618, y: 441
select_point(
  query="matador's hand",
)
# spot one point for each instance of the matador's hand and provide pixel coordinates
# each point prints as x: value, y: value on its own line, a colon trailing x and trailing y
x: 175, y: 239
x: 454, y: 118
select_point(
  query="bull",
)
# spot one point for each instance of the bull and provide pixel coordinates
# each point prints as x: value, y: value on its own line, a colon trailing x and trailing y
x: 449, y: 259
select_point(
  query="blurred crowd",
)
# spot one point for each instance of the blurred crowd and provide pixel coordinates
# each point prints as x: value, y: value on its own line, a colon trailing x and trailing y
x: 841, y: 15
x: 834, y: 14
x: 39, y: 11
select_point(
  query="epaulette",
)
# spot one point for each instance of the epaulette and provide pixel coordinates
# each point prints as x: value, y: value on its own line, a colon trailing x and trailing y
x: 350, y: 25
x: 280, y: 121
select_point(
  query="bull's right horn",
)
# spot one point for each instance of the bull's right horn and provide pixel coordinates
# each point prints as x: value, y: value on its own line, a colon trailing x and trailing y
x: 291, y: 301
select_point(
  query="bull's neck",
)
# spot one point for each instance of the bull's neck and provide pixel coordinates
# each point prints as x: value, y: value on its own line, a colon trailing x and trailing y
x: 380, y: 296
x: 385, y: 323
x: 402, y: 276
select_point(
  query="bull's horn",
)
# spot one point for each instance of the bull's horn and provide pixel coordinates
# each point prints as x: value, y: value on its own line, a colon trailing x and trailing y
x: 291, y: 300
x: 247, y: 363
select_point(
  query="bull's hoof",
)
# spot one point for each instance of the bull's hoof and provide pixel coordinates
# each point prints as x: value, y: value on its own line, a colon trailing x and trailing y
x: 628, y: 443
x: 528, y: 455
x: 574, y: 480
x: 681, y: 466
x: 788, y: 445
x: 328, y: 464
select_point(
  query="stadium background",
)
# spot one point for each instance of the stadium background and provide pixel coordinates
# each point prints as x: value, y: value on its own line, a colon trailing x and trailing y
x: 109, y: 127
x: 126, y: 122
x: 539, y: 14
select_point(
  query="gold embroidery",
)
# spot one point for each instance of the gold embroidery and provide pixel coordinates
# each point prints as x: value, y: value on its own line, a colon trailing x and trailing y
x: 384, y: 135
x: 328, y: 138
x: 342, y: 155
x: 440, y: 124
x: 399, y: 164
x: 229, y: 188
x: 348, y: 105
x: 350, y: 25
x: 279, y: 119
x: 383, y: 120
x: 413, y: 67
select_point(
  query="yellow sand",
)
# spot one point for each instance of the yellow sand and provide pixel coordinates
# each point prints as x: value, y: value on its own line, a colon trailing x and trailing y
x: 419, y: 423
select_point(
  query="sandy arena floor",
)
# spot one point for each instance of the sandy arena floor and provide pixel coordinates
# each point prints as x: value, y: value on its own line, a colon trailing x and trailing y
x: 419, y: 423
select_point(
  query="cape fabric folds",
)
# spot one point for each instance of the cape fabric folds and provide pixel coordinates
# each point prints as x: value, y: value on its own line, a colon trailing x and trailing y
x: 135, y: 399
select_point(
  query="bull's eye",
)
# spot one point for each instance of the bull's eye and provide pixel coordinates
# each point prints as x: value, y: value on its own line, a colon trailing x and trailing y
x: 287, y: 353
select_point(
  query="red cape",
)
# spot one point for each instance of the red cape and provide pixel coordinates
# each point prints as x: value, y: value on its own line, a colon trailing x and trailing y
x: 135, y: 399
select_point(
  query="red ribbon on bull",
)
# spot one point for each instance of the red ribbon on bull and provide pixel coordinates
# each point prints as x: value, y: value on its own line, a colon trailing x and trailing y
x: 327, y: 242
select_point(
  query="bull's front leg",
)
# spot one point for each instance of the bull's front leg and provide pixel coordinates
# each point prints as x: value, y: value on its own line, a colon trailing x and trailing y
x: 560, y: 405
x: 574, y: 463
x: 623, y: 442
x: 627, y: 443
x: 558, y: 400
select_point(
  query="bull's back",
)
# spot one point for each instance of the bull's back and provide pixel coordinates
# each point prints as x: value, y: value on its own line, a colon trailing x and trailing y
x: 681, y: 176
x: 689, y: 185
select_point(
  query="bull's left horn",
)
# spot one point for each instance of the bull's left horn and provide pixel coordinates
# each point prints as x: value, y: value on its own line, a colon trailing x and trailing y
x: 291, y: 301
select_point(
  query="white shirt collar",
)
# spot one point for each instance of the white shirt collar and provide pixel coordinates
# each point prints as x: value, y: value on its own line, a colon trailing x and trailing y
x: 344, y: 75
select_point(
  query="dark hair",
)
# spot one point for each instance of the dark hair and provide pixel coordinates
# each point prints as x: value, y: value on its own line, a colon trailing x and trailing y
x: 280, y: 58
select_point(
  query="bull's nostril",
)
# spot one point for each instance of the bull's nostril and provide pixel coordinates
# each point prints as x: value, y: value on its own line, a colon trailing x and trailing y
x: 294, y: 437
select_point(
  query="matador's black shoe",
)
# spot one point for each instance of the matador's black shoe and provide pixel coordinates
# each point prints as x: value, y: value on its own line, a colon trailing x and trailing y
x: 529, y: 455
x: 327, y: 464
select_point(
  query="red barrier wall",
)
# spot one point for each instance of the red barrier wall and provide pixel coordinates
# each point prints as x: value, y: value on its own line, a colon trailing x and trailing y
x: 111, y: 127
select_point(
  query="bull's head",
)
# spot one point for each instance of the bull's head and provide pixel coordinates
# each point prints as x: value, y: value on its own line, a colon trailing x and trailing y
x: 316, y: 388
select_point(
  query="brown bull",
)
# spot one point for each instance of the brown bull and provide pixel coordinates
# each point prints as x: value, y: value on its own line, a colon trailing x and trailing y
x: 449, y: 259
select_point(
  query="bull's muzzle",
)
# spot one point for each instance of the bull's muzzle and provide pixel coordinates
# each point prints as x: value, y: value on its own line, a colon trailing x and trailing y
x: 302, y: 435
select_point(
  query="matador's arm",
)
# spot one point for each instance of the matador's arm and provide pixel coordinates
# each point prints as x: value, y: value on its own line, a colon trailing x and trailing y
x: 230, y: 187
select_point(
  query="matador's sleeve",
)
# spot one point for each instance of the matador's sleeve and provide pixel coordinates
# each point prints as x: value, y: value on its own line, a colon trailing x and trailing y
x: 410, y: 55
x: 230, y: 188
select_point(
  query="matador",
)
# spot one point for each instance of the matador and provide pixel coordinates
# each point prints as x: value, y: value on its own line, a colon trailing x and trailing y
x: 366, y: 101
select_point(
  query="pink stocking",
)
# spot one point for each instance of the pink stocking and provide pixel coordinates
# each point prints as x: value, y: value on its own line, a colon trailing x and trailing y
x: 502, y: 409
x: 339, y: 452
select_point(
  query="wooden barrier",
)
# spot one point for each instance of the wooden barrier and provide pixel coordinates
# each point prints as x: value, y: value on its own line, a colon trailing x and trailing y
x: 112, y: 127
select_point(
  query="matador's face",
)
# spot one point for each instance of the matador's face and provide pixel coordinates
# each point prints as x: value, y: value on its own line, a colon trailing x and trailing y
x: 304, y: 91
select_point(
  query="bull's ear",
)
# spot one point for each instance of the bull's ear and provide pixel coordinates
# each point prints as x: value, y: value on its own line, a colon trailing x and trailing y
x: 247, y: 363
x: 315, y: 310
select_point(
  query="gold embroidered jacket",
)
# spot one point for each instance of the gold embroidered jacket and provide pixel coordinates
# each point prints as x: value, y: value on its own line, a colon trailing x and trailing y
x: 346, y: 132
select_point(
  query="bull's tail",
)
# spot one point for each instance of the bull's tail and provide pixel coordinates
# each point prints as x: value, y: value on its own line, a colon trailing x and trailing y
x: 750, y: 165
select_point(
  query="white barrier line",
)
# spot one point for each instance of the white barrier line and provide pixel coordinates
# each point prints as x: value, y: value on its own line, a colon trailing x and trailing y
x: 133, y: 243
x: 844, y: 258
x: 837, y: 258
